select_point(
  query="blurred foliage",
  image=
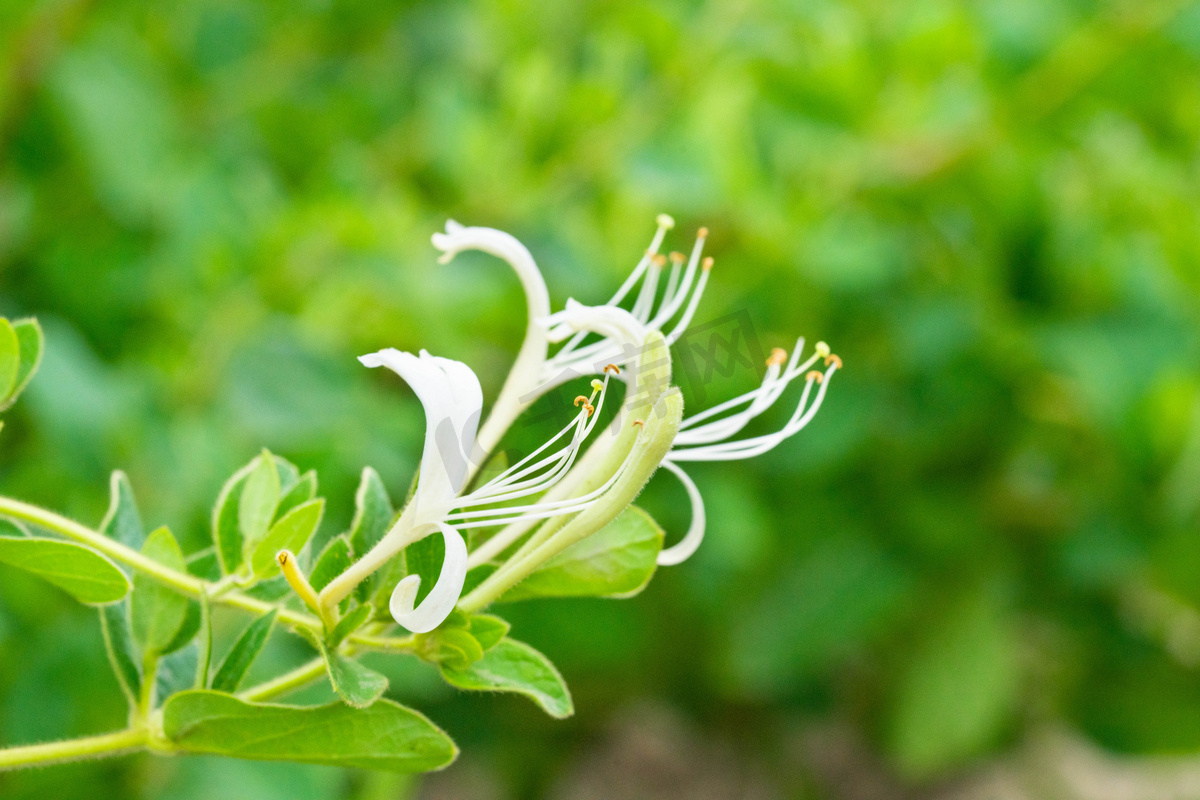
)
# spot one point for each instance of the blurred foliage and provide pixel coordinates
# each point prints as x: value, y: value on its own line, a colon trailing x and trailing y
x: 988, y: 208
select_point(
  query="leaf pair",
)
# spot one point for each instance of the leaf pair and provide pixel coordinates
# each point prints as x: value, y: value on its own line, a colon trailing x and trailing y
x: 267, y: 506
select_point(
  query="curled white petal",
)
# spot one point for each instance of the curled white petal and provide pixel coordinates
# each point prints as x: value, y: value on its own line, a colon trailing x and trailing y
x: 441, y: 600
x: 450, y: 394
x: 607, y: 321
x: 502, y: 245
x: 683, y: 549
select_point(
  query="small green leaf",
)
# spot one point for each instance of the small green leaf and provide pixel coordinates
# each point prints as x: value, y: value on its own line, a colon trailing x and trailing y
x: 13, y: 529
x: 256, y: 507
x: 10, y: 359
x: 80, y: 571
x: 289, y: 473
x: 158, y: 611
x: 385, y: 736
x: 236, y: 663
x: 455, y: 648
x: 204, y: 656
x: 372, y: 513
x: 177, y: 671
x: 513, y: 666
x: 616, y: 561
x: 301, y: 491
x: 33, y: 343
x: 187, y: 631
x: 488, y: 630
x: 227, y: 535
x: 333, y: 561
x: 357, y: 685
x: 425, y: 558
x: 372, y: 517
x: 122, y: 523
x: 123, y: 654
x: 348, y: 625
x: 291, y: 532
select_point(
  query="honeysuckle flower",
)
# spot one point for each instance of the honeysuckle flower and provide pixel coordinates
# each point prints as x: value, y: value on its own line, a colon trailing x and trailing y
x: 706, y: 436
x: 535, y: 372
x: 452, y: 399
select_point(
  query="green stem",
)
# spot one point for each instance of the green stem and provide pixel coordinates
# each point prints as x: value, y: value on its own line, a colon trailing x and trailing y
x: 287, y: 682
x: 106, y: 744
x: 179, y: 581
x: 149, y: 685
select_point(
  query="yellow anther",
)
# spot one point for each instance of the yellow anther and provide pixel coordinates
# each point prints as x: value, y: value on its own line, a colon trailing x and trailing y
x: 833, y: 360
x: 639, y: 423
x: 815, y: 375
x: 615, y: 369
x: 581, y: 401
x: 822, y: 349
x: 597, y: 384
x: 707, y: 264
x: 702, y: 233
x: 665, y: 221
x: 677, y: 257
x: 658, y: 261
x: 589, y: 408
x: 778, y: 356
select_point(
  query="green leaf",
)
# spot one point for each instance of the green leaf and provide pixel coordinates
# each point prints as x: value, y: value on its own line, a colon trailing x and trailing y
x: 513, y: 666
x: 289, y: 473
x: 372, y: 517
x: 359, y: 686
x: 291, y: 532
x: 80, y: 571
x: 239, y: 658
x: 348, y: 625
x: 333, y: 561
x: 616, y: 561
x: 302, y: 490
x: 10, y: 359
x: 187, y: 631
x: 204, y: 656
x: 488, y: 630
x: 958, y: 689
x: 123, y: 654
x: 372, y: 513
x: 177, y: 671
x: 256, y: 507
x: 122, y: 522
x: 385, y: 736
x: 425, y: 558
x: 33, y: 343
x: 13, y: 529
x: 158, y: 611
x: 227, y: 535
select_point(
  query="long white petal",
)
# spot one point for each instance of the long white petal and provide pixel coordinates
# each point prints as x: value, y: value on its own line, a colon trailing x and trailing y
x: 683, y: 549
x: 441, y: 600
x: 450, y: 394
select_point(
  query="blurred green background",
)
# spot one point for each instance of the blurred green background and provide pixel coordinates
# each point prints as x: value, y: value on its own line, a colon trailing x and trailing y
x: 986, y: 539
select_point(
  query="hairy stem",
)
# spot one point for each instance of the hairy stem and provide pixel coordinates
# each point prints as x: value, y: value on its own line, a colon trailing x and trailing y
x: 298, y: 678
x: 179, y: 581
x: 105, y: 745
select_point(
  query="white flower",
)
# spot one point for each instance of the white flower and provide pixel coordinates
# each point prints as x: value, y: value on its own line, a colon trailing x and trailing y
x: 534, y: 372
x: 450, y: 394
x: 706, y: 436
x: 649, y: 312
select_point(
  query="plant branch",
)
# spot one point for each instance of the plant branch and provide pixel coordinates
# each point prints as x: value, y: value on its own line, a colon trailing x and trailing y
x: 180, y: 581
x: 104, y: 745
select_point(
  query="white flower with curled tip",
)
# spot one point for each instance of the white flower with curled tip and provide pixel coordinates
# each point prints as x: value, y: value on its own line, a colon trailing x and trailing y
x: 707, y: 436
x: 534, y: 371
x: 450, y: 394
